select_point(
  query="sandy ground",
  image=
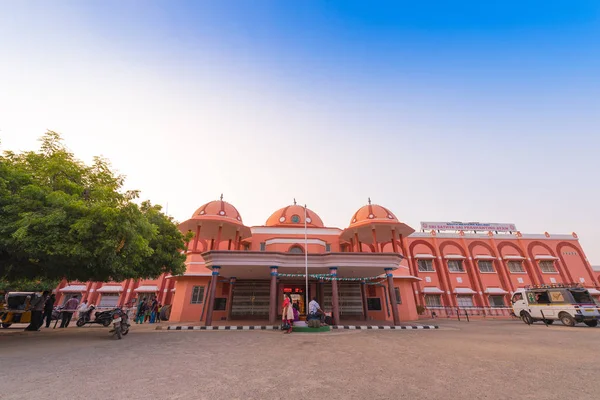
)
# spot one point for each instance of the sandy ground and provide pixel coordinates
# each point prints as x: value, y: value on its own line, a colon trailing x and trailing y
x: 476, y: 360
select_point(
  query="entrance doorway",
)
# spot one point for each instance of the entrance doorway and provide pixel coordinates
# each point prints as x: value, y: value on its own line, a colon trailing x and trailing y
x: 296, y: 292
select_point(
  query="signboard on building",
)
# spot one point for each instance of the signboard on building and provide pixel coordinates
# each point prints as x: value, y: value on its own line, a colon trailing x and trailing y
x: 467, y: 226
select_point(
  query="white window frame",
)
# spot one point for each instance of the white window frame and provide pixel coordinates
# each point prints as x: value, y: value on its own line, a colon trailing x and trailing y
x: 497, y: 296
x: 428, y: 265
x: 198, y: 295
x: 545, y: 263
x: 458, y: 263
x: 467, y: 299
x: 489, y: 263
x: 430, y: 303
x: 114, y: 300
x: 513, y: 263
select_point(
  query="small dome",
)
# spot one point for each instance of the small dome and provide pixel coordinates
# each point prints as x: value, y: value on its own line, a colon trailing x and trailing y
x: 294, y: 216
x: 218, y: 208
x: 373, y: 213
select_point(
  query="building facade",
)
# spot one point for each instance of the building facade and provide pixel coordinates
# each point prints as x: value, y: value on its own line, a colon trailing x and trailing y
x: 378, y: 268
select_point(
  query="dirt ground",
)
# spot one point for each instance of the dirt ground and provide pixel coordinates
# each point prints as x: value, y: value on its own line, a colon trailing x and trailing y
x: 476, y: 360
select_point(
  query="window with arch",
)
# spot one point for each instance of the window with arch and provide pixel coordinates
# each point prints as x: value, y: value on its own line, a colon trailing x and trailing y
x: 296, y: 250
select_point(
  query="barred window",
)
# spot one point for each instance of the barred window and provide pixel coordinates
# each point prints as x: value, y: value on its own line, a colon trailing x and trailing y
x: 464, y: 301
x: 197, y: 295
x: 497, y: 301
x: 455, y: 266
x: 425, y: 265
x: 486, y: 266
x: 433, y: 300
x: 515, y: 266
x: 547, y: 266
x: 398, y: 298
x: 263, y: 246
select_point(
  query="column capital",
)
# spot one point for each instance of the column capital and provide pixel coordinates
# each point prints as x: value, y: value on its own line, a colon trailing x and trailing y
x: 333, y: 270
x: 388, y: 271
x: 274, y: 270
x: 232, y: 279
x: 215, y: 270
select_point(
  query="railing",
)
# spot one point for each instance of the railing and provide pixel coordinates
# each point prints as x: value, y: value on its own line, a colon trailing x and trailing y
x: 466, y: 312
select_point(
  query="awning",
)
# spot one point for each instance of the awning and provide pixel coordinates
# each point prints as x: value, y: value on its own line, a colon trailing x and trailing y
x: 425, y: 256
x: 454, y: 257
x: 110, y: 289
x: 464, y: 290
x: 432, y: 290
x: 545, y: 257
x: 594, y: 292
x: 74, y: 289
x: 495, y: 290
x: 485, y: 257
x: 147, y: 289
x: 513, y: 257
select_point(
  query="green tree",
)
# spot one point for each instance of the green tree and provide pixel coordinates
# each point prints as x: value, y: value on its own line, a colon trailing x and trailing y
x: 60, y: 218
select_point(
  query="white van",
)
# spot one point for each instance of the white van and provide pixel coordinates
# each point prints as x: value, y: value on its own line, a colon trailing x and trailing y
x: 571, y: 304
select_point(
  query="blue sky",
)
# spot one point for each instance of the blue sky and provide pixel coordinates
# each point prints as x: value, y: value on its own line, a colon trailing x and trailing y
x: 439, y: 110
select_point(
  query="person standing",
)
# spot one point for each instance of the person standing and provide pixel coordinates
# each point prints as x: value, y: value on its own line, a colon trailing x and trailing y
x: 48, y: 308
x: 37, y: 309
x: 287, y: 314
x: 141, y: 309
x: 82, y: 309
x: 68, y: 310
x: 153, y: 310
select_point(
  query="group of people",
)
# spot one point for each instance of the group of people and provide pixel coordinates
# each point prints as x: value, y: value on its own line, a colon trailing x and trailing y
x: 291, y: 313
x: 42, y: 308
x: 148, y: 310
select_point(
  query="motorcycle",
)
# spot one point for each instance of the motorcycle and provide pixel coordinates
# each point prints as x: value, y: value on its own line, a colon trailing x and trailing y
x: 120, y: 321
x: 103, y: 318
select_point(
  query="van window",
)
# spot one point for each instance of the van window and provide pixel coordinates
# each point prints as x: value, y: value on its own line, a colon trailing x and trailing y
x: 582, y: 297
x: 517, y: 297
x: 538, y: 297
x: 557, y: 296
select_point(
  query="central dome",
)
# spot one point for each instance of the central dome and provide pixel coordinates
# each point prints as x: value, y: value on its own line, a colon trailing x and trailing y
x: 372, y: 213
x: 218, y: 209
x: 294, y: 216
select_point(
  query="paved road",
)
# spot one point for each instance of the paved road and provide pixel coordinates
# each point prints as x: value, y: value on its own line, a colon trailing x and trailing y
x: 477, y: 360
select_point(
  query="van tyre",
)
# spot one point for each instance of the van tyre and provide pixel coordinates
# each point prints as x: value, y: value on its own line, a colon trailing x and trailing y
x: 566, y: 319
x: 526, y: 317
x: 591, y: 323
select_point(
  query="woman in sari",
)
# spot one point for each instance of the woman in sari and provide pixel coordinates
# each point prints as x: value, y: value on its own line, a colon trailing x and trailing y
x: 287, y: 314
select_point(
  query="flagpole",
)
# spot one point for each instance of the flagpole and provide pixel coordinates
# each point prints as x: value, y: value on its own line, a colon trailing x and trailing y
x: 306, y: 261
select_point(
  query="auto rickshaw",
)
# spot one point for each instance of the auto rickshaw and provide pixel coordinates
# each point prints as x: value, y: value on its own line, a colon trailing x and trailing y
x: 17, y: 309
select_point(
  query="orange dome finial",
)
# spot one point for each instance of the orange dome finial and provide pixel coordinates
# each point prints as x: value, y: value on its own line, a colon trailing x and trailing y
x: 221, y: 197
x: 294, y: 201
x: 369, y: 201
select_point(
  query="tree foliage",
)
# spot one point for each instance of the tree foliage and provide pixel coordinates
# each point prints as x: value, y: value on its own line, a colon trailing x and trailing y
x: 61, y: 218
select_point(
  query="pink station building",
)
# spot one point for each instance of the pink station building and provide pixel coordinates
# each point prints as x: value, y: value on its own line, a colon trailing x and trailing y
x: 376, y: 269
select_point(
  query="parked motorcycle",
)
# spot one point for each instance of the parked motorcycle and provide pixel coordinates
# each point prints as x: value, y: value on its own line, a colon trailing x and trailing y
x: 120, y: 321
x: 103, y: 318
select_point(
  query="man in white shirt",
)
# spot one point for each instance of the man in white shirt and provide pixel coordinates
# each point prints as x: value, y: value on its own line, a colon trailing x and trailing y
x: 314, y: 310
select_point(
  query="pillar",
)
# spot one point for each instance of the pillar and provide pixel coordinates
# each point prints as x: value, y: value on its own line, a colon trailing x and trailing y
x: 392, y: 294
x: 273, y: 298
x: 357, y: 242
x: 363, y: 294
x: 394, y: 244
x: 321, y: 293
x: 196, y: 238
x: 211, y: 295
x: 335, y: 306
x: 230, y: 297
x: 375, y: 241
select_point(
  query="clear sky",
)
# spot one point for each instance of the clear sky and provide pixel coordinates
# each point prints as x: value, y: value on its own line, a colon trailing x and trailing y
x: 439, y: 110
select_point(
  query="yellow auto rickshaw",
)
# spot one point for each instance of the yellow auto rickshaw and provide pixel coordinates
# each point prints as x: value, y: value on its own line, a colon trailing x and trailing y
x: 17, y: 308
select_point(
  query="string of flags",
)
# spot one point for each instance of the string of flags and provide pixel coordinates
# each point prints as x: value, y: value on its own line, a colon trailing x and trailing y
x: 329, y: 277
